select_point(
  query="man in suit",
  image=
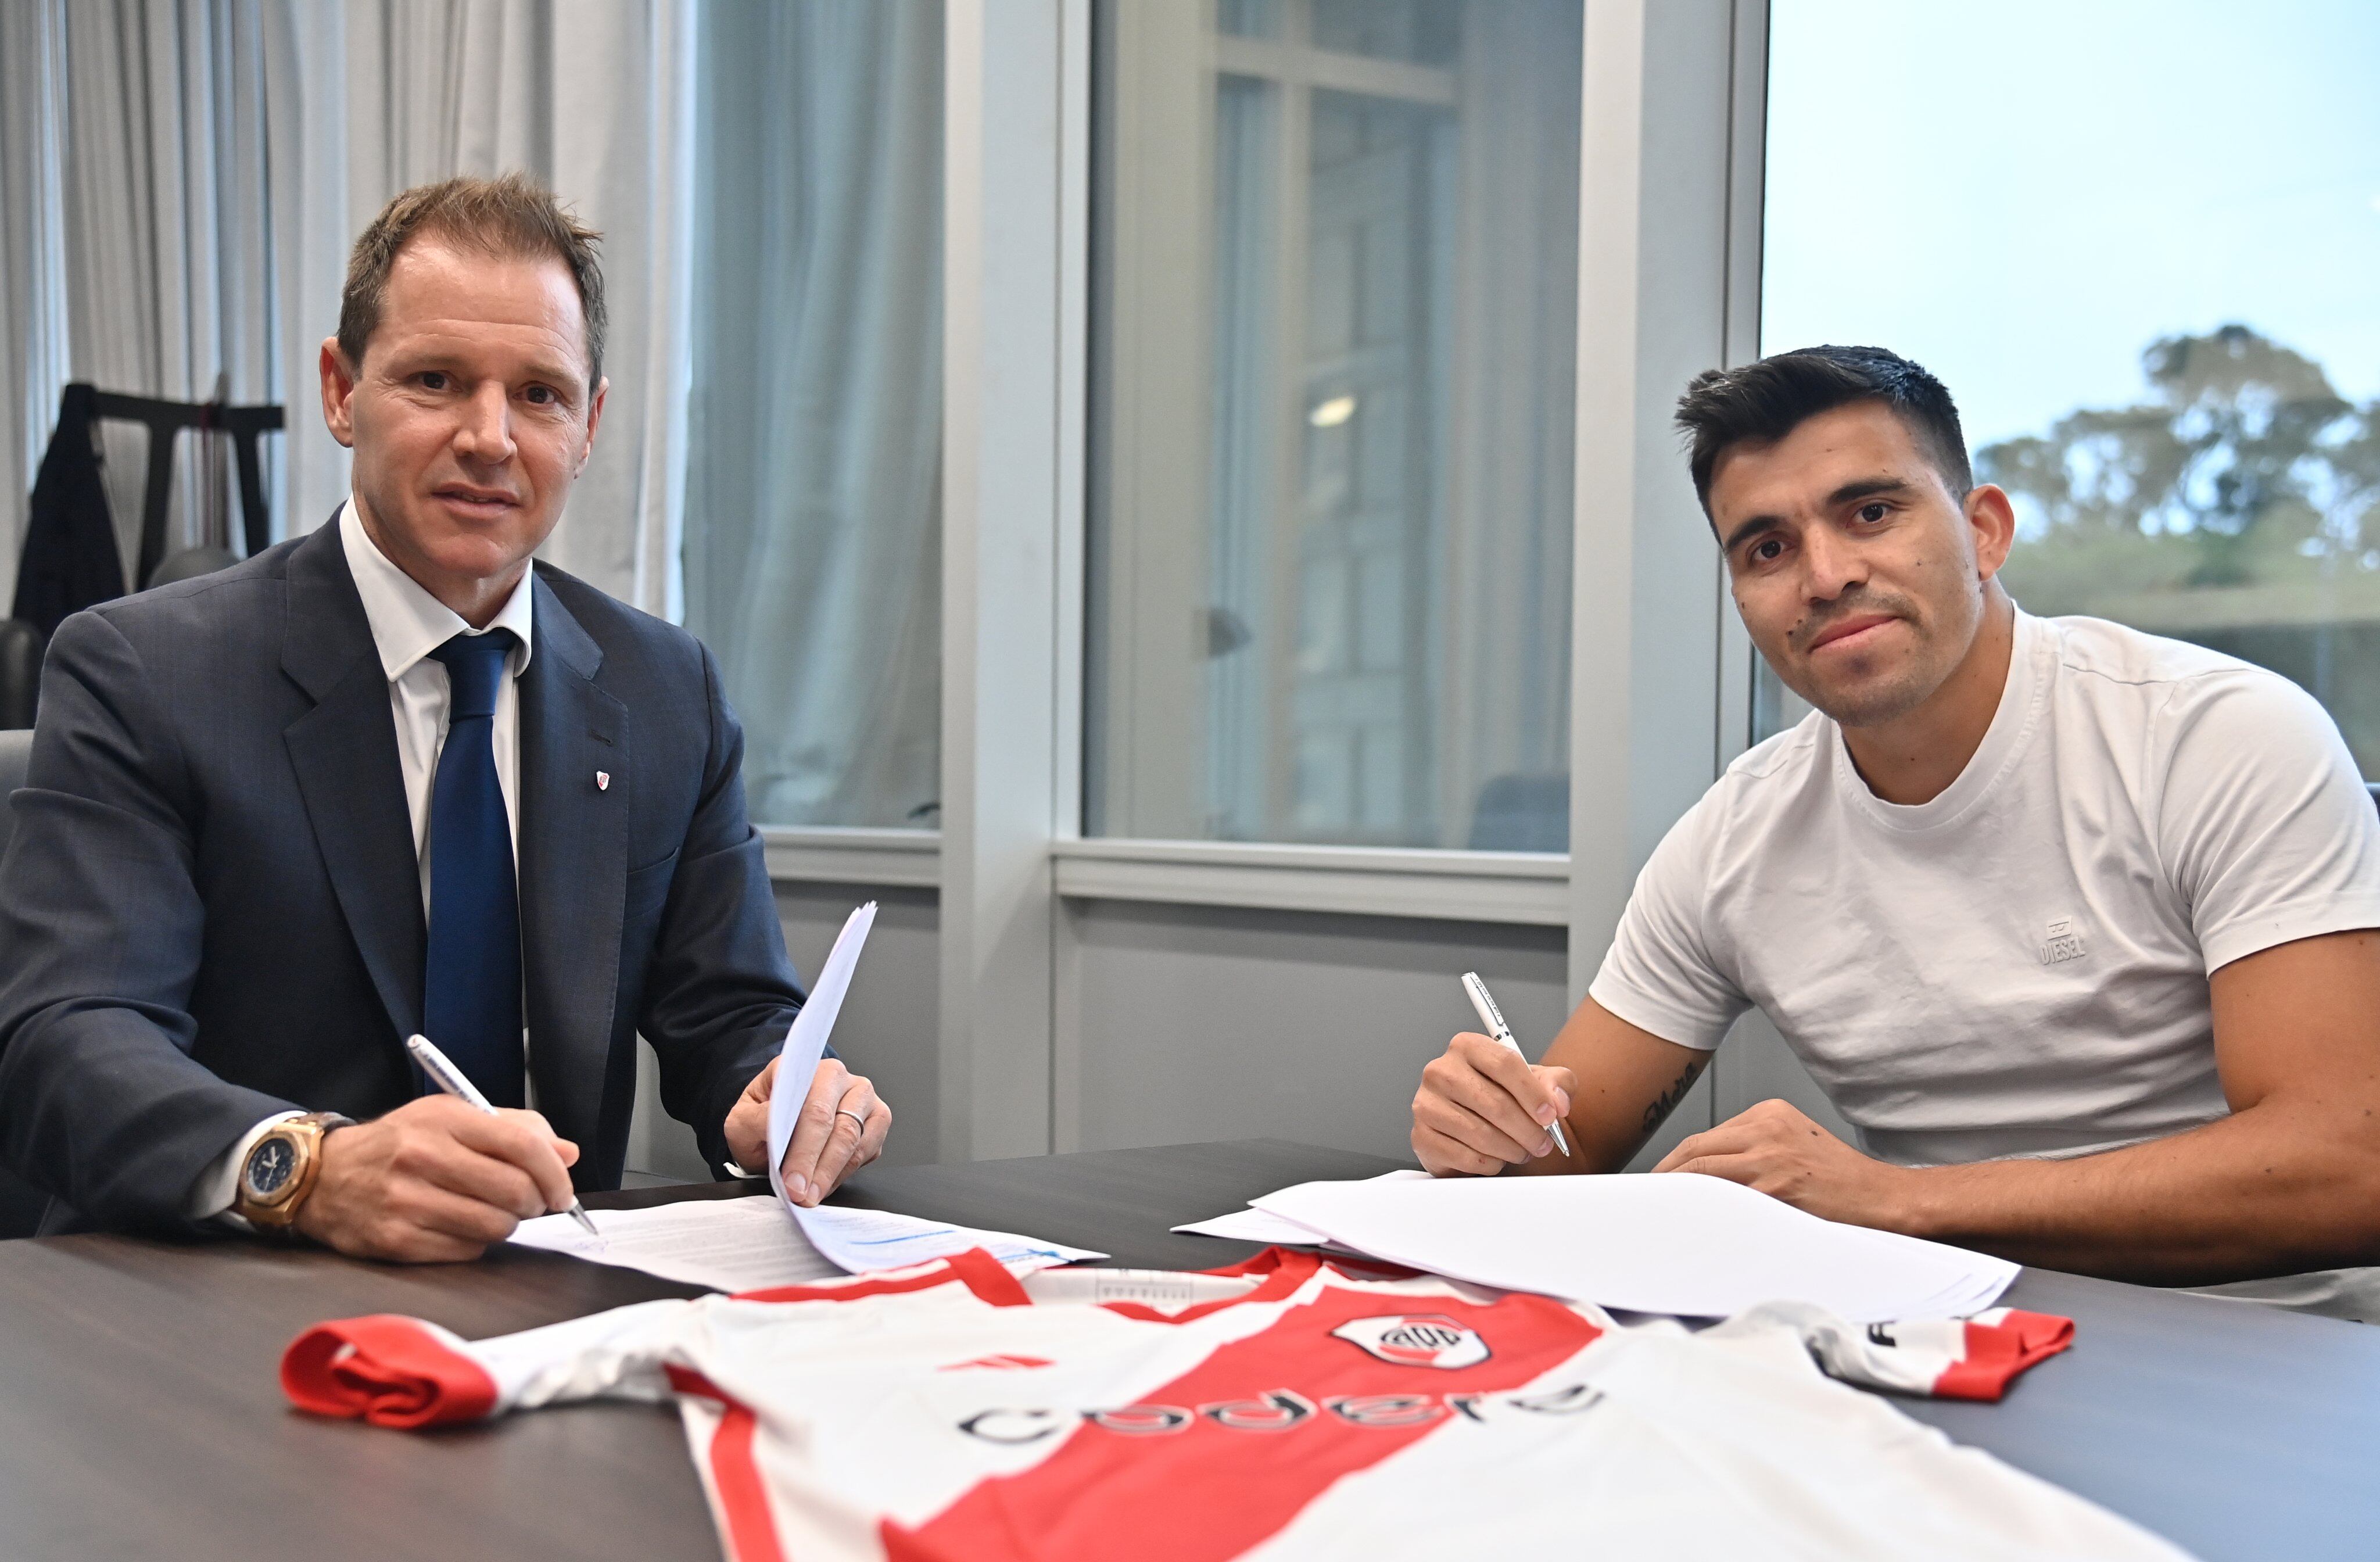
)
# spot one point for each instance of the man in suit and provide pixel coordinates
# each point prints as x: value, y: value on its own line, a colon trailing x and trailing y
x: 390, y: 778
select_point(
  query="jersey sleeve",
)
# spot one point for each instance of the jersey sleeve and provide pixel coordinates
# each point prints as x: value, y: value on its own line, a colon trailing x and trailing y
x: 2263, y: 820
x: 1661, y: 974
x: 1973, y: 1358
x: 410, y: 1372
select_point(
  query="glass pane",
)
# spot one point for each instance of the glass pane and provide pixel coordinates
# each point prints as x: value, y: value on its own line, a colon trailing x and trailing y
x: 814, y: 414
x: 1333, y: 348
x: 1248, y: 19
x: 1423, y: 31
x: 2148, y: 281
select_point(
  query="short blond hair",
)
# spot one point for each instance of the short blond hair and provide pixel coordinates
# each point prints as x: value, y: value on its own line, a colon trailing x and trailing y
x: 512, y: 216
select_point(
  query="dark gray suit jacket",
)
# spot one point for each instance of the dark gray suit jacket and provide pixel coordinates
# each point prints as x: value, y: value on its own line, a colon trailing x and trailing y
x: 212, y: 907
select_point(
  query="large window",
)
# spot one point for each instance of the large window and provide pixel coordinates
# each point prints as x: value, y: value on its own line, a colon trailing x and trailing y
x: 814, y: 418
x: 1335, y: 283
x: 2139, y: 243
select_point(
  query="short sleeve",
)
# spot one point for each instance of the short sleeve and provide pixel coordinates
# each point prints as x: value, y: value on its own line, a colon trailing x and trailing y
x: 1661, y: 975
x: 2263, y: 821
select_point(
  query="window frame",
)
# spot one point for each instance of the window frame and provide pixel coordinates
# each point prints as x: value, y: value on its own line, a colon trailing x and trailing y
x: 1669, y: 283
x: 1637, y: 141
x: 1158, y: 339
x: 1708, y: 140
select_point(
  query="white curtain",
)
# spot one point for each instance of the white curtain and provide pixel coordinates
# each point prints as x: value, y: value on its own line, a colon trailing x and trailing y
x: 594, y: 100
x: 141, y: 148
x: 33, y: 256
x: 813, y: 564
x: 180, y: 181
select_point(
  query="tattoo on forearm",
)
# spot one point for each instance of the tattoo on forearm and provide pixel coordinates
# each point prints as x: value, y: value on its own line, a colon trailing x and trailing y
x: 1666, y: 1102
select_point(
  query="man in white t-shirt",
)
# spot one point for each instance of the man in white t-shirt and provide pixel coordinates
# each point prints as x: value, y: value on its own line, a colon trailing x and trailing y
x: 2075, y: 924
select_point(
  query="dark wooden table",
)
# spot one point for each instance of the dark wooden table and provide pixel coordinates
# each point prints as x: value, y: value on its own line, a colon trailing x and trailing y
x: 141, y: 1415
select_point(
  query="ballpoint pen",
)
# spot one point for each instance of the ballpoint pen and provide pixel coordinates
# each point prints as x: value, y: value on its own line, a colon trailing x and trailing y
x: 1493, y: 1018
x: 455, y: 1083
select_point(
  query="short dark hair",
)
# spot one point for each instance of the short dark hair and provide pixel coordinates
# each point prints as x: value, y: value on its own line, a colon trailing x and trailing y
x: 513, y: 217
x: 1765, y: 401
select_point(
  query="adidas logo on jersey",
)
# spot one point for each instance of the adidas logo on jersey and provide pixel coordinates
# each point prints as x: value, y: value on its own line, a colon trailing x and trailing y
x: 1409, y: 1339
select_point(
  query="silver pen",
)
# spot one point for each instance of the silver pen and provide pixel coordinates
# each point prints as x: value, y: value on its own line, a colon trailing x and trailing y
x: 1493, y: 1018
x: 455, y: 1083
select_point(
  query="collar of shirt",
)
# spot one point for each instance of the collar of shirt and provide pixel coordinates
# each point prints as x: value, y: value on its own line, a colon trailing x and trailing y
x: 407, y: 623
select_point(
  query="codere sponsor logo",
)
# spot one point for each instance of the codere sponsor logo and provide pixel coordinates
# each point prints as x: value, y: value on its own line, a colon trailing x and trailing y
x: 1278, y: 1410
x: 1416, y: 1339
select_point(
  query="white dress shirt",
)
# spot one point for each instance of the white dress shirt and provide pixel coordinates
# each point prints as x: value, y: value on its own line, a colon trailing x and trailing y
x: 407, y: 624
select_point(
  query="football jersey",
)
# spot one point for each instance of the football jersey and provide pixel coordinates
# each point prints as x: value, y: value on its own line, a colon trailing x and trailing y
x: 958, y: 1412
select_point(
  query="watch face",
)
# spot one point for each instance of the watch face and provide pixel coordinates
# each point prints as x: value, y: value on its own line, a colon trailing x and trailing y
x: 269, y: 1166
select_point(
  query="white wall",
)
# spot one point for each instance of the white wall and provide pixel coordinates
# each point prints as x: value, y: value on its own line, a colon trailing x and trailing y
x: 1186, y: 1023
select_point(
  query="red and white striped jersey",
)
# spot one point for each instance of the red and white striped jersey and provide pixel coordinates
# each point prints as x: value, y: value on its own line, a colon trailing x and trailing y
x: 957, y: 1412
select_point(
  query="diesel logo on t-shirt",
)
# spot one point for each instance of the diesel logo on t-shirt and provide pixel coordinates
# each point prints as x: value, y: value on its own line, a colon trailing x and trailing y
x: 2064, y: 941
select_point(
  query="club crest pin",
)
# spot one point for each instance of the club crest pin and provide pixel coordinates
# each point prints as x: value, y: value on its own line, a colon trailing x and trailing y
x: 602, y: 780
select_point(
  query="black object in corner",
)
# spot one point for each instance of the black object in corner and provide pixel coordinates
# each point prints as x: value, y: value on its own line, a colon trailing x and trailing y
x: 70, y: 560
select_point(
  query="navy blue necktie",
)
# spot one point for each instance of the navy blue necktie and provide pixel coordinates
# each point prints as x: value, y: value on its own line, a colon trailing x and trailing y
x: 471, y: 983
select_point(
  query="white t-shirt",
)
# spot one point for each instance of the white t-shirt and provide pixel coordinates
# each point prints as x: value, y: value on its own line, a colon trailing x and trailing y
x: 2017, y: 968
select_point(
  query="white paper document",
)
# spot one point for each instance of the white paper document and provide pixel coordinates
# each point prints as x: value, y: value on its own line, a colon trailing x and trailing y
x: 1252, y: 1225
x: 1255, y: 1226
x: 806, y: 1038
x: 727, y: 1244
x: 748, y: 1245
x: 1675, y: 1243
x: 864, y: 1239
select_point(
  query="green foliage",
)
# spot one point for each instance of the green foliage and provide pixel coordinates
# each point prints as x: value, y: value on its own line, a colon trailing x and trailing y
x: 2243, y: 468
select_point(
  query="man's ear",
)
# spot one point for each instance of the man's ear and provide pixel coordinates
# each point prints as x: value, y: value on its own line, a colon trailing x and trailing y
x: 594, y: 416
x: 1991, y: 520
x: 338, y: 393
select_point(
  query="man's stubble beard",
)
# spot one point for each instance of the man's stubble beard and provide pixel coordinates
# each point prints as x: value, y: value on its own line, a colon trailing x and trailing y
x: 1875, y: 701
x: 1879, y: 702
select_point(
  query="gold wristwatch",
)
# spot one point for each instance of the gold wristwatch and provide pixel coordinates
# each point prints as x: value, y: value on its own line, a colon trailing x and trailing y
x: 281, y: 1168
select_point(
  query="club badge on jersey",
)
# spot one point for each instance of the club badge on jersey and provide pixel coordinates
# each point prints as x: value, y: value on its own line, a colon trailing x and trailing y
x: 1416, y: 1339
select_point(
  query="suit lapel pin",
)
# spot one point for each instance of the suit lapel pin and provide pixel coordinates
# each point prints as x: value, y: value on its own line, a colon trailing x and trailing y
x: 602, y: 780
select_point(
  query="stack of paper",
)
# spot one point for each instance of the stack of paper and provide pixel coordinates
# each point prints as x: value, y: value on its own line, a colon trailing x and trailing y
x: 1257, y: 1225
x: 726, y: 1244
x: 859, y: 1240
x: 1679, y: 1243
x: 1253, y: 1225
x: 748, y: 1244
